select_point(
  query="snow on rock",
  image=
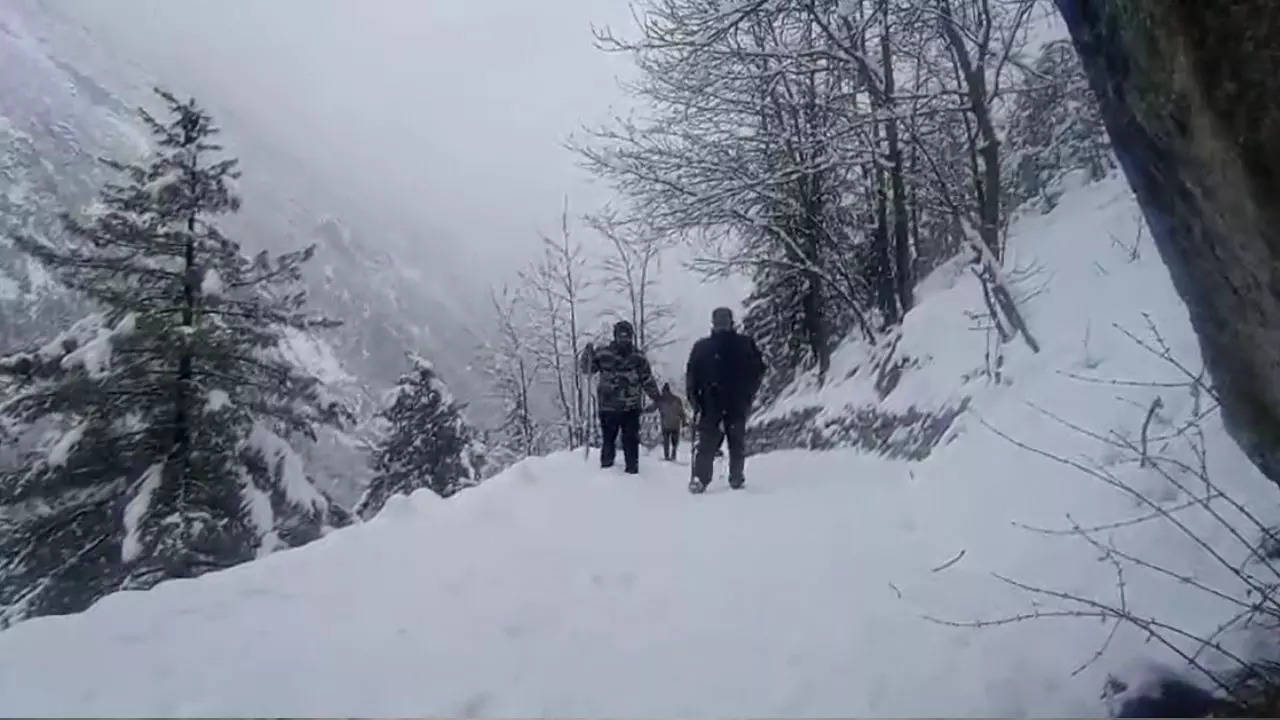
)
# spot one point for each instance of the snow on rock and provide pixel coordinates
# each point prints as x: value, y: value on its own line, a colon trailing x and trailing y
x: 136, y: 509
x: 556, y: 588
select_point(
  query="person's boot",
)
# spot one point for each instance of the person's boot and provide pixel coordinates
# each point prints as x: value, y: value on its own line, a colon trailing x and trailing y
x: 696, y: 486
x: 737, y: 483
x: 633, y: 470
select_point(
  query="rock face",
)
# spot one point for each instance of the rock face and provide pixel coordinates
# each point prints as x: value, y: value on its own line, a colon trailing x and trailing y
x: 1188, y: 93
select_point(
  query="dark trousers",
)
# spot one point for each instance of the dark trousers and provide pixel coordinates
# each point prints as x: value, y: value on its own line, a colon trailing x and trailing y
x: 670, y: 443
x: 714, y: 427
x: 626, y: 422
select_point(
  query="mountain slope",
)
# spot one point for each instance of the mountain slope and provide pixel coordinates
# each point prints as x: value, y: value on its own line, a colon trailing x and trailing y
x: 67, y: 100
x: 559, y: 589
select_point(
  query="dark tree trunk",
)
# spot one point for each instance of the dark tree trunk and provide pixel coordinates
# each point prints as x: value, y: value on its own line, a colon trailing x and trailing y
x: 914, y: 205
x: 886, y: 290
x: 1188, y: 94
x: 974, y: 77
x: 881, y: 252
x: 903, y: 276
x: 815, y: 308
x: 182, y: 389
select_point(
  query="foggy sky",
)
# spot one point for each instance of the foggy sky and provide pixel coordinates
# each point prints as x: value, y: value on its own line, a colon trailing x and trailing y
x: 450, y: 111
x: 450, y: 114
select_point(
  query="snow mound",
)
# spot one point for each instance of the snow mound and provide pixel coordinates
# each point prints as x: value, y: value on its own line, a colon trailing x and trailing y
x: 556, y: 588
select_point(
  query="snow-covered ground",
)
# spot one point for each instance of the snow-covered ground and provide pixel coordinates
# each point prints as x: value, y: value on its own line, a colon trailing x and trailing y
x: 559, y: 589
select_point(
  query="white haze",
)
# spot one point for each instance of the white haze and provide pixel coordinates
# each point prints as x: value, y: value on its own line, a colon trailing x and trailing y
x: 450, y: 114
x: 445, y: 116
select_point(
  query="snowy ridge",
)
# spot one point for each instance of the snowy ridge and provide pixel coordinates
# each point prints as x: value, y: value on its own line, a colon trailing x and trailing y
x: 558, y: 589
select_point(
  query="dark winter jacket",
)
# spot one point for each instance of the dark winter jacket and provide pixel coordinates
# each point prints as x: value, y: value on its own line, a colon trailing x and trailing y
x: 671, y: 410
x: 625, y: 376
x: 724, y: 372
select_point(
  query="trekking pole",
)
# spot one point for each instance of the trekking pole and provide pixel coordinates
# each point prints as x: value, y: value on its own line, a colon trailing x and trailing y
x: 693, y: 445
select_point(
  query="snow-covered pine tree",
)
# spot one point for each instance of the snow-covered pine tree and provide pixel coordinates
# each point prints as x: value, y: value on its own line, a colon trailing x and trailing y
x: 428, y: 443
x: 171, y: 407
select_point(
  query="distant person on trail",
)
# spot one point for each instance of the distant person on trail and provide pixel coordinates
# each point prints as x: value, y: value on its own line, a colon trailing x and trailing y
x: 671, y: 411
x: 625, y: 376
x: 723, y: 375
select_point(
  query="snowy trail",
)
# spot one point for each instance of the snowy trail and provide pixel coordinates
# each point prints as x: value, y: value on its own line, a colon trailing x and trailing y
x: 554, y: 589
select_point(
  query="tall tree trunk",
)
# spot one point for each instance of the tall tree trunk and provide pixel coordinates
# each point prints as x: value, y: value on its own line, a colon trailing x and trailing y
x: 182, y: 390
x: 988, y: 149
x: 886, y: 291
x: 901, y: 238
x: 817, y: 328
x: 885, y: 287
x: 914, y: 204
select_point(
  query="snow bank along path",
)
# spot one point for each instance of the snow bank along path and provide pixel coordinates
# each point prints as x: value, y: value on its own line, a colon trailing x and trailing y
x: 559, y: 589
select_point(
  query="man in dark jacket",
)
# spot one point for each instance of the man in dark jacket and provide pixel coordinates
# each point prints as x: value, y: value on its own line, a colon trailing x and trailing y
x: 723, y: 375
x: 625, y: 377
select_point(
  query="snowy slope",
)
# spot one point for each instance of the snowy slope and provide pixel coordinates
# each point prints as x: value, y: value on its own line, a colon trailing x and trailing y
x: 558, y: 589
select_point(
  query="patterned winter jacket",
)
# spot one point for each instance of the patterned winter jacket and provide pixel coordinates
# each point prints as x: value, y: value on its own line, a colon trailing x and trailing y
x: 625, y: 377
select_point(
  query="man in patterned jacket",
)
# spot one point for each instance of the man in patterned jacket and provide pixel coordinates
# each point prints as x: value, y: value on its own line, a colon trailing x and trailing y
x: 625, y: 378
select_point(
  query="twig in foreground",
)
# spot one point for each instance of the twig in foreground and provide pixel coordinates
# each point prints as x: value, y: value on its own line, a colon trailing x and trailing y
x: 949, y: 563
